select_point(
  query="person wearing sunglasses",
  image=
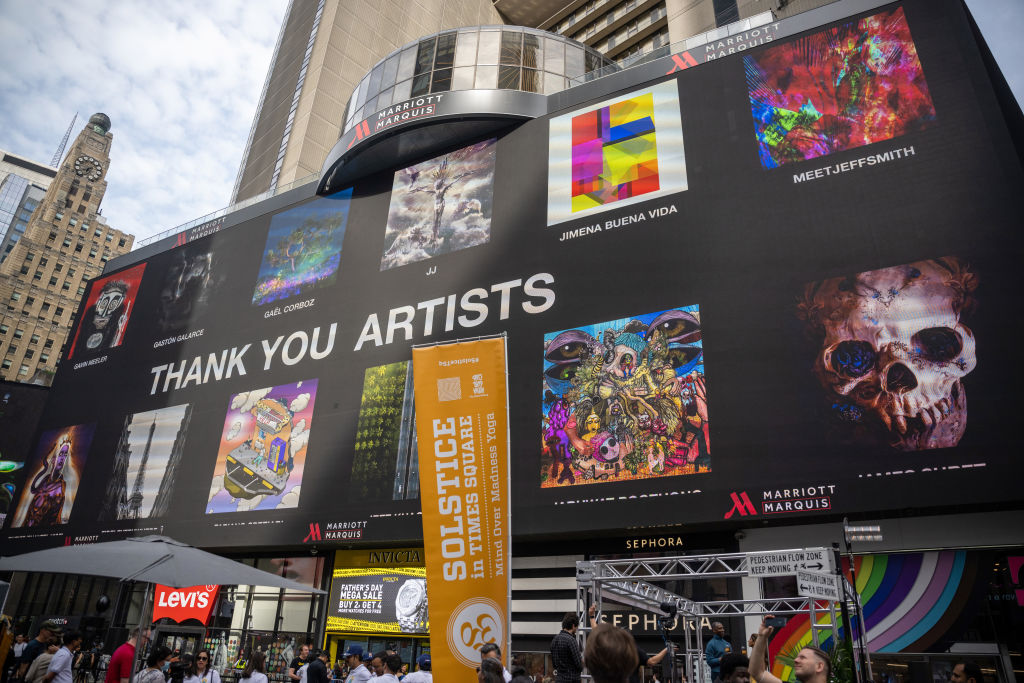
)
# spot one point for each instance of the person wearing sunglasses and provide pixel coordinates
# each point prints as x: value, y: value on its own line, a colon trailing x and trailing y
x: 200, y: 670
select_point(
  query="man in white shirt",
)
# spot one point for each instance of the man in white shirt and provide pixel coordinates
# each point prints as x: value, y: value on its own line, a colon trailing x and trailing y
x: 354, y: 658
x: 59, y: 670
x: 392, y: 665
x: 423, y: 673
x: 494, y: 652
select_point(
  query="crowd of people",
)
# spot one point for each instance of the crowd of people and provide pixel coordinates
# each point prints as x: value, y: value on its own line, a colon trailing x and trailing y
x: 611, y: 656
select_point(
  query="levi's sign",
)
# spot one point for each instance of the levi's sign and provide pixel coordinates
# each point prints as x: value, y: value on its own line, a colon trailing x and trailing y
x: 179, y: 604
x: 815, y: 585
x: 786, y: 562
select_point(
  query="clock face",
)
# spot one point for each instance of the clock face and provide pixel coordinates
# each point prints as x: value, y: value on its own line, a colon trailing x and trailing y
x: 88, y: 167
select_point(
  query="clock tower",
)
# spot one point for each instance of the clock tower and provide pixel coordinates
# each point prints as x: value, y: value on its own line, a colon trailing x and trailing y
x: 66, y: 243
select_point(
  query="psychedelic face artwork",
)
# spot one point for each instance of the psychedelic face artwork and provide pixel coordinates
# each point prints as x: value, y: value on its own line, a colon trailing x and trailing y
x: 894, y: 351
x: 54, y: 473
x: 625, y: 400
x: 846, y: 87
x: 618, y: 152
x: 263, y: 449
x: 440, y: 206
x: 108, y: 309
x: 385, y: 465
x: 303, y: 249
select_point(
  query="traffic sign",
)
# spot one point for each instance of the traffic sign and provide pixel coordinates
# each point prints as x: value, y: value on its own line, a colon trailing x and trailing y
x: 788, y: 562
x: 815, y: 585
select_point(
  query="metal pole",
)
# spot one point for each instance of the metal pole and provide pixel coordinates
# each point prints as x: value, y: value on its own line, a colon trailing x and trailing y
x: 143, y: 626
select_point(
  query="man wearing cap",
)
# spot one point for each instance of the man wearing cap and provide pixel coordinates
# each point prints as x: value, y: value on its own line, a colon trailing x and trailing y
x: 354, y: 658
x: 422, y: 673
x: 48, y: 633
x: 316, y: 671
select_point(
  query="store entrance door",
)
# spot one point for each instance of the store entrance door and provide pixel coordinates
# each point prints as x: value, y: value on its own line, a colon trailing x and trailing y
x: 181, y: 640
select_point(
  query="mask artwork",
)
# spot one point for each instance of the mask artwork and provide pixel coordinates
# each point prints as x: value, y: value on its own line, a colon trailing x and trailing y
x: 894, y: 351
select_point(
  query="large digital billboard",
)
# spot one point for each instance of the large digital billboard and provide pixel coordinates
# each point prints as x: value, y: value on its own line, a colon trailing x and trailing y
x: 778, y: 284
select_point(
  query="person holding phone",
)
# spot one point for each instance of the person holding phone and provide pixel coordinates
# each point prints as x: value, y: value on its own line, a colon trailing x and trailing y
x: 811, y: 665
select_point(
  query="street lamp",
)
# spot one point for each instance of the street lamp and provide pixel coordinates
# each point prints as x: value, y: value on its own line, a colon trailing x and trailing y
x: 861, y: 534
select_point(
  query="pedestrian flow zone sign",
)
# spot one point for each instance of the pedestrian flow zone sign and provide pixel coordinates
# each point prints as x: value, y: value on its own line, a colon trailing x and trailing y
x: 819, y: 586
x: 789, y: 562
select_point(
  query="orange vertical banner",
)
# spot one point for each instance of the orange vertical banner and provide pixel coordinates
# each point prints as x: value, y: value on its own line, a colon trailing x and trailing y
x: 462, y: 427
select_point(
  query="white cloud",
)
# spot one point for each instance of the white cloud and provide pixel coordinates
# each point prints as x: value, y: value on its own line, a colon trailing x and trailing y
x: 300, y: 403
x: 246, y: 400
x: 180, y: 82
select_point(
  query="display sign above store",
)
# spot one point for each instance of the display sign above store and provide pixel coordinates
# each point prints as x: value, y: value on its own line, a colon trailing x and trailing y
x: 181, y: 604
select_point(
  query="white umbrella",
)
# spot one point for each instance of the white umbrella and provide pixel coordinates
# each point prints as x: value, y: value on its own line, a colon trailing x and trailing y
x: 154, y: 559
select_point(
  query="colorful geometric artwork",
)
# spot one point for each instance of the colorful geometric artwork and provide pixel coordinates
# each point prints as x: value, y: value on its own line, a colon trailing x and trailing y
x: 262, y: 451
x: 53, y: 476
x: 303, y: 249
x: 849, y: 86
x: 625, y: 400
x: 911, y: 603
x: 440, y: 205
x: 616, y: 153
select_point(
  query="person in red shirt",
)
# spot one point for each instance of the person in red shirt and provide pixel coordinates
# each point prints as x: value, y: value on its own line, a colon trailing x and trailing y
x: 120, y: 668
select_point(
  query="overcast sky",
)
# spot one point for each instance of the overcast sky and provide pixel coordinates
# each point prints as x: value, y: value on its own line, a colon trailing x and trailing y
x: 180, y: 81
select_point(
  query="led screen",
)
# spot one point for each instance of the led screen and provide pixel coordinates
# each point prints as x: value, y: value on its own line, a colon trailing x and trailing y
x: 777, y: 284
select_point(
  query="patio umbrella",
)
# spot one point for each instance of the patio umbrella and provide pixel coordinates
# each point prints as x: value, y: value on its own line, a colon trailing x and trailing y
x: 154, y: 559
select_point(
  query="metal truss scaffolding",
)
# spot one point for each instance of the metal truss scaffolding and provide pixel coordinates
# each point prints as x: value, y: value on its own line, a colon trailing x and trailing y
x: 635, y: 583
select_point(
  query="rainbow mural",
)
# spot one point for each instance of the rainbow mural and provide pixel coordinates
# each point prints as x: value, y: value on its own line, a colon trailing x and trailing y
x: 910, y: 602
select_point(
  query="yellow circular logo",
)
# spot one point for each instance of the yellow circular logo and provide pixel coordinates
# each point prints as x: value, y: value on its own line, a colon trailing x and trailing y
x: 473, y: 624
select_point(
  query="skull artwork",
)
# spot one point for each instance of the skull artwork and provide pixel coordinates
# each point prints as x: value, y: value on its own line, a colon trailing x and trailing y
x: 894, y: 350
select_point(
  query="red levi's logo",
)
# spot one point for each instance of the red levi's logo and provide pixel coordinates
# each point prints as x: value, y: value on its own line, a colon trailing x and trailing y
x: 741, y: 504
x: 179, y: 604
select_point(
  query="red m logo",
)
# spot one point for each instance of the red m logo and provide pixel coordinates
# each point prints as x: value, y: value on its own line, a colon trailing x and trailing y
x: 741, y: 504
x: 362, y: 131
x: 314, y: 533
x: 681, y: 61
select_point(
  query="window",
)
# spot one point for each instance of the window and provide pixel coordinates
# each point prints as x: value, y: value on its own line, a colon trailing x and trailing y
x: 3, y: 329
x: 71, y: 272
x: 19, y: 333
x: 34, y: 339
x: 85, y: 227
x: 53, y: 281
x: 65, y: 287
x: 79, y: 247
x: 92, y: 252
x: 108, y: 237
x: 81, y: 208
x: 29, y: 354
x: 52, y: 237
x: 38, y: 275
x: 59, y: 311
x: 29, y: 256
x: 72, y: 221
x: 120, y: 242
x: 81, y: 291
x: 46, y: 306
x: 43, y: 261
x: 43, y: 357
x: 24, y: 270
x: 66, y: 242
x: 59, y: 267
x: 87, y: 196
x: 49, y: 342
x: 99, y: 231
x: 15, y: 296
x: 74, y: 190
x: 23, y: 370
x: 58, y: 215
x: 30, y: 300
x: 6, y: 365
x: 68, y: 203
